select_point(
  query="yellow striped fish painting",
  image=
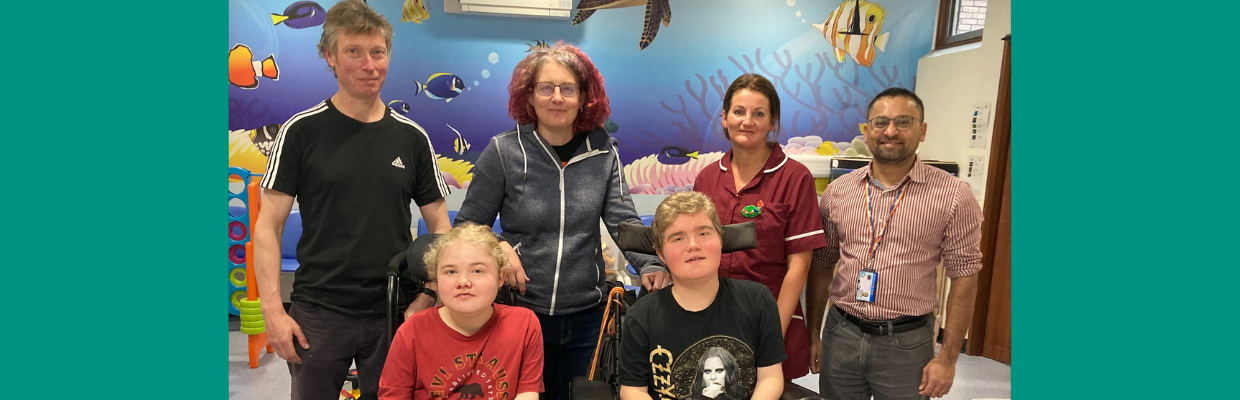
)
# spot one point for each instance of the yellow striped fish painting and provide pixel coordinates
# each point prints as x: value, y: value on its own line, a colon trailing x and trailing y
x: 860, y: 46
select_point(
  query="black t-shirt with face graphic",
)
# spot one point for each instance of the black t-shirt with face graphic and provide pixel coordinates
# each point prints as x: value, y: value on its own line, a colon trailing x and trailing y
x: 710, y: 354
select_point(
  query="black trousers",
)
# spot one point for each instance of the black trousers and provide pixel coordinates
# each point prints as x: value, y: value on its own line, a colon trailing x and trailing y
x: 336, y: 341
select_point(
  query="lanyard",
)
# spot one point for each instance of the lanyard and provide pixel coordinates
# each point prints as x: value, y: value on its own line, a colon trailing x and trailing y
x: 876, y: 240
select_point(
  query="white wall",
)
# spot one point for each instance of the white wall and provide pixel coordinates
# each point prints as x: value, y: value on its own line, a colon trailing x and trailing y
x: 952, y: 81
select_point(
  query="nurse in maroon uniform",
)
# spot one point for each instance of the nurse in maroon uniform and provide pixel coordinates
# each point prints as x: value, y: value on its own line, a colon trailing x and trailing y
x: 755, y: 181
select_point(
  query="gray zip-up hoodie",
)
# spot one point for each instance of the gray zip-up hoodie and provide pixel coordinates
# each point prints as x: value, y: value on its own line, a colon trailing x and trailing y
x: 550, y: 214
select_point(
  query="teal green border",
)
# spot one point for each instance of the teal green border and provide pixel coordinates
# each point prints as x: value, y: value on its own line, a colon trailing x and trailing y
x: 114, y: 207
x: 116, y: 165
x: 1123, y: 224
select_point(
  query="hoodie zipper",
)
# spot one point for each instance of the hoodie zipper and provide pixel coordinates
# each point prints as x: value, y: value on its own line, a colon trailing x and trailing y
x: 559, y: 255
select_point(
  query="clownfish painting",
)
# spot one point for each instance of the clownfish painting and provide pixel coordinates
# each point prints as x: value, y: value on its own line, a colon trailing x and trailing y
x: 243, y: 71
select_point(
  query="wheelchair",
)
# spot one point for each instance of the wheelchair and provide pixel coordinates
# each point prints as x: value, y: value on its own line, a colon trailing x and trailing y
x: 603, y: 383
x: 406, y: 273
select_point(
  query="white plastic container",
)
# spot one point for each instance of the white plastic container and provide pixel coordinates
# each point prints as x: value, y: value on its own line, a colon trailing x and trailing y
x: 819, y: 166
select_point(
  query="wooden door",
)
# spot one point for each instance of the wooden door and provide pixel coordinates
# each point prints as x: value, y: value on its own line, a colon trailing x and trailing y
x: 991, y: 332
x: 997, y: 344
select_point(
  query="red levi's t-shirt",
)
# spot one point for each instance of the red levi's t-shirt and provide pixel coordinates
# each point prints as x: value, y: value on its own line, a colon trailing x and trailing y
x: 429, y: 360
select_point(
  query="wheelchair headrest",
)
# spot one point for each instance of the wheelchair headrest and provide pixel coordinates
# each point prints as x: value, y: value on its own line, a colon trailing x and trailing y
x: 417, y: 249
x: 640, y: 238
x: 408, y: 264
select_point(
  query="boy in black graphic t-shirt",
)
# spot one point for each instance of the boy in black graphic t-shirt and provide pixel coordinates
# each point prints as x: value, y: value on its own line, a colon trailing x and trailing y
x: 707, y: 337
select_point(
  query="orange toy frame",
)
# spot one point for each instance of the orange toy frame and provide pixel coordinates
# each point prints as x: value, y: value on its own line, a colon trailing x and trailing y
x: 259, y: 341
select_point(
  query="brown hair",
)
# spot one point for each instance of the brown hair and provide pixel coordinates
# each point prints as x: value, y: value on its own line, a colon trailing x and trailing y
x: 352, y: 17
x: 683, y: 203
x: 759, y: 84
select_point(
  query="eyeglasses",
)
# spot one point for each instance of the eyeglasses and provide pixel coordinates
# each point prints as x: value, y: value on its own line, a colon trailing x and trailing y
x: 547, y: 89
x: 903, y: 123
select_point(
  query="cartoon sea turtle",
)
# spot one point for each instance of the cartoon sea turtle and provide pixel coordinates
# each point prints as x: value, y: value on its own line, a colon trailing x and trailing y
x: 656, y: 11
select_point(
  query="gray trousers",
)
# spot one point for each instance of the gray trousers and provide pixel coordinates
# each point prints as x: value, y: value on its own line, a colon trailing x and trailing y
x: 856, y: 365
x: 335, y: 341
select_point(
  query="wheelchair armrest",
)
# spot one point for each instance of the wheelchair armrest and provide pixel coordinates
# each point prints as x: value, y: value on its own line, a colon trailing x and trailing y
x: 582, y: 388
x: 794, y: 391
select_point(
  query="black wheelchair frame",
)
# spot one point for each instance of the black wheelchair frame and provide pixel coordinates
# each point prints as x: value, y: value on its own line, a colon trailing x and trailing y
x: 406, y: 273
x: 638, y: 238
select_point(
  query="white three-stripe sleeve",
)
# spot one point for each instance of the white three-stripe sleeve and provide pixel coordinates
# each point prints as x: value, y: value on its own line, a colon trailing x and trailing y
x: 275, y: 160
x: 434, y: 158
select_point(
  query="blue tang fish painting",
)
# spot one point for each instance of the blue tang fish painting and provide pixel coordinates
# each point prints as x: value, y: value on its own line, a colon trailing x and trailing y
x: 440, y: 86
x: 301, y: 15
x: 400, y: 106
x: 676, y: 155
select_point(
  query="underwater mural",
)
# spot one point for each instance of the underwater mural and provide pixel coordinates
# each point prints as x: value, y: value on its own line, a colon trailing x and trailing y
x: 449, y: 73
x: 657, y: 11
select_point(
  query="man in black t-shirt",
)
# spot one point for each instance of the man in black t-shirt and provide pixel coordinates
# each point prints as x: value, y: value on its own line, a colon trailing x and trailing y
x: 354, y: 165
x: 707, y: 337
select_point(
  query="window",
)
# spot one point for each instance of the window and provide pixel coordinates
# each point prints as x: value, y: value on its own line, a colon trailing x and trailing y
x: 960, y: 22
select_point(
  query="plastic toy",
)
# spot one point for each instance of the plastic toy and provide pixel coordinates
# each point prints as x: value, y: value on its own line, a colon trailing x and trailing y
x: 244, y: 297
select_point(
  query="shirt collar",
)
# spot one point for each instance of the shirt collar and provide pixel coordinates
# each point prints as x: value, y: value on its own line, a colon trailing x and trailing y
x: 917, y: 174
x: 774, y: 162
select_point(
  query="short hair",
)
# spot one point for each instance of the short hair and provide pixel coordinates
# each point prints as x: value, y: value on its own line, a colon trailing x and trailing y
x: 683, y: 203
x: 729, y: 366
x: 352, y: 17
x: 592, y: 97
x: 897, y: 92
x: 759, y: 84
x: 469, y: 233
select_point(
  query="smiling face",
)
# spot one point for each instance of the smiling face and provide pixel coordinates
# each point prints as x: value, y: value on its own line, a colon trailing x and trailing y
x: 361, y: 64
x: 467, y: 278
x: 692, y: 248
x: 893, y: 145
x: 748, y: 119
x: 555, y: 112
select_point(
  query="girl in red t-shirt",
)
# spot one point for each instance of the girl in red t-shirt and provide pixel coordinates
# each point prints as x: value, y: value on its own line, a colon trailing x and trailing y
x: 467, y: 347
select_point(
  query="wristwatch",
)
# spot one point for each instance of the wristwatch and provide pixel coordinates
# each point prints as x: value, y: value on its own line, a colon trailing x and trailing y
x: 429, y: 292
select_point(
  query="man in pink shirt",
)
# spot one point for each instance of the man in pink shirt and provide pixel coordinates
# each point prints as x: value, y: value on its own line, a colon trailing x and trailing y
x: 888, y: 226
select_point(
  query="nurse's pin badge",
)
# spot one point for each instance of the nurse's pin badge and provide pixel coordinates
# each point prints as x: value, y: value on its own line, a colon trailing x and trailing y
x: 752, y: 211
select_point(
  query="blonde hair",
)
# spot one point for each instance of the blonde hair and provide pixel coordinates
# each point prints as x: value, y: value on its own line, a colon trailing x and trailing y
x: 469, y: 233
x: 683, y: 203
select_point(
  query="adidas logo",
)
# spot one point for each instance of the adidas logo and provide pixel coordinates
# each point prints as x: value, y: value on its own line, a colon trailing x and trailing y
x: 396, y: 163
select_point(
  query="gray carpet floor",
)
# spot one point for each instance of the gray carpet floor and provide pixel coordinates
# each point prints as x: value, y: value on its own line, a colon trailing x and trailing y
x: 976, y: 377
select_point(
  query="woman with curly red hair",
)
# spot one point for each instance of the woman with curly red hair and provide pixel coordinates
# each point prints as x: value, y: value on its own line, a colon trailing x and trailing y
x: 552, y: 178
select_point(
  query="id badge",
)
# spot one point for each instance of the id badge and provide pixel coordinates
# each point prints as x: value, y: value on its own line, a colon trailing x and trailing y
x: 867, y: 281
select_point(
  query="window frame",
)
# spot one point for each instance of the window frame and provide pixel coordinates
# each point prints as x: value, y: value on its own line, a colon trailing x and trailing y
x: 942, y: 37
